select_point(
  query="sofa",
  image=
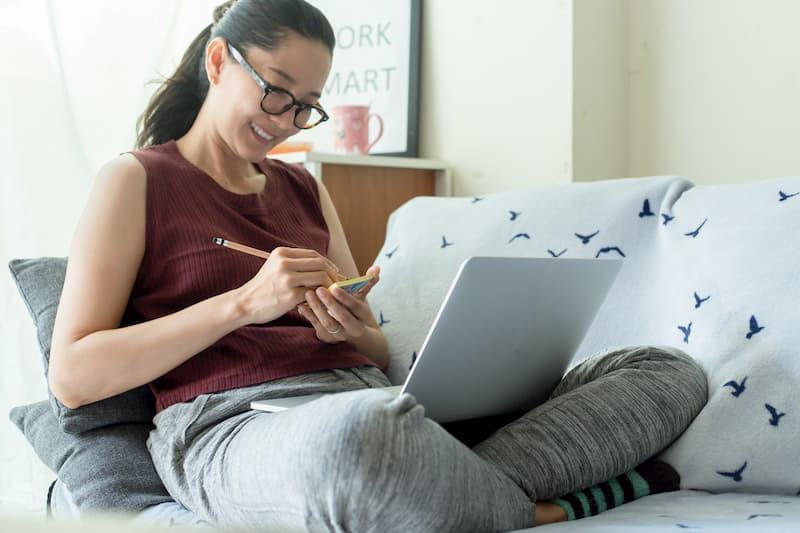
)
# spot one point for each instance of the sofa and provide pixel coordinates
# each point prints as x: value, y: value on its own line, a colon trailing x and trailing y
x: 710, y: 269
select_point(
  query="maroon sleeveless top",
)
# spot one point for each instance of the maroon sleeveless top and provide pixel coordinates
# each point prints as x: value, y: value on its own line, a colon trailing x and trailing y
x: 181, y: 266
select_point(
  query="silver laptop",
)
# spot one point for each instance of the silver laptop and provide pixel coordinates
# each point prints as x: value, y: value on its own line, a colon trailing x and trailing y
x: 503, y: 337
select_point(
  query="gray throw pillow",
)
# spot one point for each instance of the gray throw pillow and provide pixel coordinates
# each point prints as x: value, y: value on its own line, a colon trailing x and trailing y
x: 40, y: 281
x: 105, y: 469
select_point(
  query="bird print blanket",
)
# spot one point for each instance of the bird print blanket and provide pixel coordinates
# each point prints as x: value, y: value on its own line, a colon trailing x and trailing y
x: 713, y: 270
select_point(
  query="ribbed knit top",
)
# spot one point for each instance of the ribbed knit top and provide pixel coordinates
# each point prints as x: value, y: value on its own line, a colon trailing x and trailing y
x: 181, y: 266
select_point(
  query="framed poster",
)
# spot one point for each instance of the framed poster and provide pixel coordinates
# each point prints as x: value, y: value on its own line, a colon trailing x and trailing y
x: 372, y: 93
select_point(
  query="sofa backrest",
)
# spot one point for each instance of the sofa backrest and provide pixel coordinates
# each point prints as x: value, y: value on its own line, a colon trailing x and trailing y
x: 712, y: 270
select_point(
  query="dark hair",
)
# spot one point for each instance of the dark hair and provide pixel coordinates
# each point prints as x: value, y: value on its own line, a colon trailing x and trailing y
x: 246, y: 23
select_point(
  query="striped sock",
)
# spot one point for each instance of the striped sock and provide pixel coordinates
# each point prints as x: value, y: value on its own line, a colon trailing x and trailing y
x: 651, y: 477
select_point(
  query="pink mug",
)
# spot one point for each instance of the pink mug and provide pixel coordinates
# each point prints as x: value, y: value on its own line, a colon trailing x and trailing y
x: 351, y: 129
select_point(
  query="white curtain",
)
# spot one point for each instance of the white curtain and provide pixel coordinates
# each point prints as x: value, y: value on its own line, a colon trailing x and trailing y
x: 74, y: 80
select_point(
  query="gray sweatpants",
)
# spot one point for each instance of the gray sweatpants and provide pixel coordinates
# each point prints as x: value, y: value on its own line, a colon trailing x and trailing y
x: 368, y: 461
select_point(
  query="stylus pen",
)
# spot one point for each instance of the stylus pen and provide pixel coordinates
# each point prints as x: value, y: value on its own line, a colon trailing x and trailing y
x: 261, y: 253
x: 240, y: 247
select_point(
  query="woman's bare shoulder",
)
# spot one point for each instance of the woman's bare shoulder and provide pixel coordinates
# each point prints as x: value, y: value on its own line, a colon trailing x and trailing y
x: 125, y: 166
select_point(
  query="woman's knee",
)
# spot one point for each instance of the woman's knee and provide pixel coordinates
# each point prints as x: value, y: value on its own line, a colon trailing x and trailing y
x: 368, y: 448
x: 361, y: 432
x: 678, y: 363
x: 676, y: 369
x: 665, y: 368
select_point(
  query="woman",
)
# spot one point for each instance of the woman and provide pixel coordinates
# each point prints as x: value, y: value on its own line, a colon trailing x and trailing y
x: 149, y: 298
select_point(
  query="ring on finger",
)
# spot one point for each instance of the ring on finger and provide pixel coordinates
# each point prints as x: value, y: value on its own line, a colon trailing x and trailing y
x: 335, y: 331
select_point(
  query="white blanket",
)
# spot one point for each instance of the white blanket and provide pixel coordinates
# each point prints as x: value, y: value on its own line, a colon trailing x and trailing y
x: 713, y: 270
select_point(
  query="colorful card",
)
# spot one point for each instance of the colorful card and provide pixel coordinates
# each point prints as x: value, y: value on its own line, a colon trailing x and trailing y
x: 352, y: 285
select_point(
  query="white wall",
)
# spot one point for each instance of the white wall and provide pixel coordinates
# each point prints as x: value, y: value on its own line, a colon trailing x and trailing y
x: 600, y: 89
x: 496, y: 91
x: 714, y: 89
x: 707, y: 89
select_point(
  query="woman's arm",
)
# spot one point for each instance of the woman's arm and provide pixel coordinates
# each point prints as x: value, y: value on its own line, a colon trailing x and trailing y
x: 351, y: 314
x: 338, y: 249
x: 92, y: 358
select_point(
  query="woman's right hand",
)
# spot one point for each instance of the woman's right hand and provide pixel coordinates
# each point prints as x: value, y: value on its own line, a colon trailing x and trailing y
x: 281, y: 283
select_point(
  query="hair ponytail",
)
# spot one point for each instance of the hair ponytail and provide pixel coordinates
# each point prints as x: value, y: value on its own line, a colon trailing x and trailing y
x: 174, y: 106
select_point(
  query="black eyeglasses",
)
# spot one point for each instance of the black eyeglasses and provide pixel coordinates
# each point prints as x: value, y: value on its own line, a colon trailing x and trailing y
x: 277, y: 100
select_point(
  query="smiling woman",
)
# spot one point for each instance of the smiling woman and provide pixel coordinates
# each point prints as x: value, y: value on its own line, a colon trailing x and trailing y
x: 238, y: 95
x: 277, y: 100
x: 144, y: 281
x: 184, y: 93
x: 149, y: 299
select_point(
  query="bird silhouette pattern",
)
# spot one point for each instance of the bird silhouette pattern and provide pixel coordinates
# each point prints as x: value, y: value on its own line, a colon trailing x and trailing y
x: 738, y: 387
x: 702, y: 300
x: 695, y: 232
x: 413, y: 360
x: 698, y: 300
x: 586, y: 238
x: 609, y: 249
x: 775, y: 416
x: 519, y: 236
x: 686, y: 330
x: 735, y: 475
x: 646, y: 212
x: 389, y: 255
x: 754, y: 327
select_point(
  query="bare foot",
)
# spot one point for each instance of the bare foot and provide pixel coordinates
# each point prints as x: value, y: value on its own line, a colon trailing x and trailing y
x: 548, y: 513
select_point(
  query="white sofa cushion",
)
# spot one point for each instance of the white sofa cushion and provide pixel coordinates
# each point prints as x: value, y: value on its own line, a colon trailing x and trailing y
x: 734, y: 246
x: 428, y: 237
x: 747, y: 262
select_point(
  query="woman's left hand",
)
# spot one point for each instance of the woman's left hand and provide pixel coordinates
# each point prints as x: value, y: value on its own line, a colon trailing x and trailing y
x: 338, y: 316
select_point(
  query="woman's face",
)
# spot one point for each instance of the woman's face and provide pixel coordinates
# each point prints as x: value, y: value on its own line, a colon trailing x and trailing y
x: 299, y: 66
